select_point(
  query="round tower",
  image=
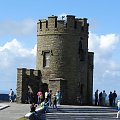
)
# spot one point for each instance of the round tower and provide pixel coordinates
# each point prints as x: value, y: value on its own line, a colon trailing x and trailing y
x: 62, y: 57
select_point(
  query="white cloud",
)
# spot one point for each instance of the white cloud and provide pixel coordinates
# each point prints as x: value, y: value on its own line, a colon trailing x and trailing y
x: 34, y: 50
x: 103, y: 42
x: 15, y: 48
x: 107, y: 68
x: 108, y: 41
x: 13, y: 55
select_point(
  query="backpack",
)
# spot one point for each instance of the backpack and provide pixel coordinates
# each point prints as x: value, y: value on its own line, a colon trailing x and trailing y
x: 12, y: 93
x: 49, y: 95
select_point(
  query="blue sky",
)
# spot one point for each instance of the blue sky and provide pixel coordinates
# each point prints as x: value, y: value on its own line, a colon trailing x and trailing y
x: 18, y: 36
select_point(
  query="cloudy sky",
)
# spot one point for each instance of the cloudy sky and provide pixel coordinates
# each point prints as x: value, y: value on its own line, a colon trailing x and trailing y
x: 18, y: 36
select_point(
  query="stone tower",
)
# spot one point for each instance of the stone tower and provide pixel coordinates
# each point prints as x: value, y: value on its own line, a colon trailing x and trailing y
x: 62, y: 62
x: 63, y: 58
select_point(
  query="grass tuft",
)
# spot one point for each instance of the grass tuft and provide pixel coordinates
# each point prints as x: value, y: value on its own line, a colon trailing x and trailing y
x: 23, y: 118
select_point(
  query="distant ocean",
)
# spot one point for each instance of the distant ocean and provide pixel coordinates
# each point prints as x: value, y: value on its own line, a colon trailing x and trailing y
x: 4, y: 91
x: 4, y: 95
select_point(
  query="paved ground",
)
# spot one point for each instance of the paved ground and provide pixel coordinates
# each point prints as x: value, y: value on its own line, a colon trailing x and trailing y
x: 64, y: 112
x: 14, y: 111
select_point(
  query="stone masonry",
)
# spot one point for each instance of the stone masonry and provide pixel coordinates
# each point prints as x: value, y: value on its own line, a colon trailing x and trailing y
x: 62, y: 60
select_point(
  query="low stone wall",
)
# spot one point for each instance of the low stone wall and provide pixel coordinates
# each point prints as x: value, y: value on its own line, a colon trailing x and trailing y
x: 39, y: 113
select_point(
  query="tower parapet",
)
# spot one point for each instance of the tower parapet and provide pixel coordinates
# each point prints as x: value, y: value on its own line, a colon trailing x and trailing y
x: 57, y: 26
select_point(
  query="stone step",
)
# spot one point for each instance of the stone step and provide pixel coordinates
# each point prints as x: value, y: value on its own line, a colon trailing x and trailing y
x: 81, y: 113
x: 84, y: 110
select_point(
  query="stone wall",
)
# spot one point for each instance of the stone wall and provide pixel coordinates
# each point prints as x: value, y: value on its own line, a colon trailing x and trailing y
x: 27, y: 79
x: 90, y: 76
x: 61, y: 85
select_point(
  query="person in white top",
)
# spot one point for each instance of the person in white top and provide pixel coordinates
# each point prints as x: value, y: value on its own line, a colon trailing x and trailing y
x: 118, y: 107
x: 11, y: 95
x: 104, y: 95
x: 46, y: 94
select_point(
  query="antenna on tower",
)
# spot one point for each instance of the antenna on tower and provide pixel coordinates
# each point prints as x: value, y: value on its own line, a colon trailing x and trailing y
x: 63, y: 17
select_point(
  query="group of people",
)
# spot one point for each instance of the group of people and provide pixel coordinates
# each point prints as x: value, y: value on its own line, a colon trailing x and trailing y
x: 100, y: 98
x: 47, y: 99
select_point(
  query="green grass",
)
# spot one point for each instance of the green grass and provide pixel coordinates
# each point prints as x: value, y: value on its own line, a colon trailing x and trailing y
x: 23, y: 118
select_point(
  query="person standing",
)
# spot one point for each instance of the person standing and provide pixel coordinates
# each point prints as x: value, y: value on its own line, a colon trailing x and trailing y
x: 54, y: 101
x: 110, y: 99
x: 46, y: 95
x: 11, y: 95
x: 96, y: 97
x: 49, y: 97
x: 100, y: 98
x: 104, y: 95
x: 114, y: 97
x: 118, y: 107
x: 40, y: 96
x: 58, y: 95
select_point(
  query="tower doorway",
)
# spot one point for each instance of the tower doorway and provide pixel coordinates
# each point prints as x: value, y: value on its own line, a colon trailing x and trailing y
x: 44, y: 88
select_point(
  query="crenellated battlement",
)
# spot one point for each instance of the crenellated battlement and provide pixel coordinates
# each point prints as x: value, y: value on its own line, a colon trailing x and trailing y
x: 70, y: 24
x: 27, y: 79
x: 29, y: 72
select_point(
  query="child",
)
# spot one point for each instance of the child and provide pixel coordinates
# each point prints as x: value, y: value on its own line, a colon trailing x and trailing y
x: 33, y: 107
x: 118, y: 107
x: 54, y: 102
x: 44, y: 105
